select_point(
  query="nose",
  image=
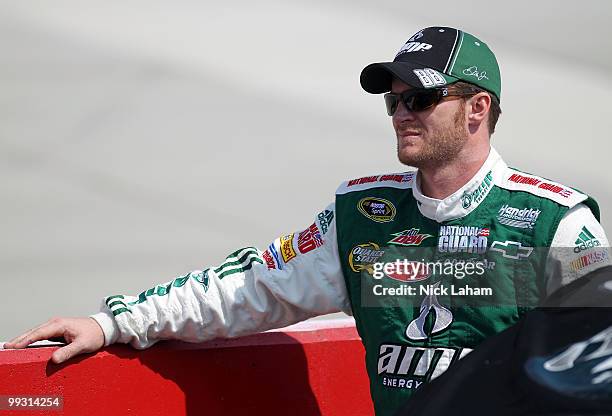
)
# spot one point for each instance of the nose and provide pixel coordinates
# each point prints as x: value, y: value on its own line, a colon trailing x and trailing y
x: 402, y: 113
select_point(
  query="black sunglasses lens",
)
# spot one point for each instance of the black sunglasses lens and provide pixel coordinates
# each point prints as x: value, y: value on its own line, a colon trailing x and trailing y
x: 422, y: 100
x: 418, y: 100
x: 391, y: 101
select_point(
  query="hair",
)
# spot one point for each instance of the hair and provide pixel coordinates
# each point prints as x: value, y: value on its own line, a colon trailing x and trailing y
x: 494, y: 110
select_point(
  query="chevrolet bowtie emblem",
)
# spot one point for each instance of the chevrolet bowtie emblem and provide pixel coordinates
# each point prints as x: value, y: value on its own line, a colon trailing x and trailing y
x: 511, y: 249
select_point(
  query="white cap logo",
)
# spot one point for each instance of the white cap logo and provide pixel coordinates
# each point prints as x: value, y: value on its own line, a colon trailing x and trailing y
x: 416, y: 36
x: 430, y: 78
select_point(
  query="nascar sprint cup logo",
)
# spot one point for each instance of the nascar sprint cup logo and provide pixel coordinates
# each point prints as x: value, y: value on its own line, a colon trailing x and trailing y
x: 377, y: 209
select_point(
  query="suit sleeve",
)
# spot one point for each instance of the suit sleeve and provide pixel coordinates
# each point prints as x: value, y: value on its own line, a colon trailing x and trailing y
x: 296, y: 277
x: 579, y: 246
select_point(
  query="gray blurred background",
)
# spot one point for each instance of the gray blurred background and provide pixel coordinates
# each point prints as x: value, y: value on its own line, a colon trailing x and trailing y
x: 143, y: 139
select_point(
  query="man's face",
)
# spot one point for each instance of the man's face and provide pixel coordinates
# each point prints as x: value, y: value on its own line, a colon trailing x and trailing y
x: 431, y: 137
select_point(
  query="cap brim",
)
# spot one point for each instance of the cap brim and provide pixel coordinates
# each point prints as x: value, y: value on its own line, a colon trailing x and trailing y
x: 376, y: 78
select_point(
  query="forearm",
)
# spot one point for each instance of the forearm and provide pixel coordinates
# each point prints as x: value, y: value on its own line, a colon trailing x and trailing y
x: 251, y: 291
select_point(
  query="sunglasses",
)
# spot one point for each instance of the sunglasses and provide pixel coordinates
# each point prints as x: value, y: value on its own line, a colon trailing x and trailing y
x: 419, y: 99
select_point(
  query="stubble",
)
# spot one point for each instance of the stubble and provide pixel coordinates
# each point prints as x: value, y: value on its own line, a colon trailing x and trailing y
x: 441, y: 146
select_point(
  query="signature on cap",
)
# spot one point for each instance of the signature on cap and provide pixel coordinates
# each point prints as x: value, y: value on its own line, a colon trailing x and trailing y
x: 473, y: 72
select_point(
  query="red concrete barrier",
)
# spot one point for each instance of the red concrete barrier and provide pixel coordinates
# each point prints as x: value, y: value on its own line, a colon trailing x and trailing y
x: 307, y: 369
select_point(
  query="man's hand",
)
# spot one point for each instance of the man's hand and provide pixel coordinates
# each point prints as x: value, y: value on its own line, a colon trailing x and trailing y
x: 81, y: 334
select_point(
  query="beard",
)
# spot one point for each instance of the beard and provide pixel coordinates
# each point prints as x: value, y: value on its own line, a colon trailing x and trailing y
x: 437, y: 148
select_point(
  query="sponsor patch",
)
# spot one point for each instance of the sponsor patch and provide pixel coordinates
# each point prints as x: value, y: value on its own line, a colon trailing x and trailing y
x: 399, y: 178
x: 585, y: 241
x: 272, y: 250
x: 377, y: 209
x: 286, y: 248
x: 512, y: 249
x: 591, y: 258
x: 409, y: 271
x: 518, y: 217
x: 407, y: 367
x: 469, y: 198
x: 325, y: 219
x: 309, y: 239
x: 462, y: 239
x: 416, y: 330
x: 362, y: 256
x: 270, y: 263
x: 548, y: 186
x: 411, y: 237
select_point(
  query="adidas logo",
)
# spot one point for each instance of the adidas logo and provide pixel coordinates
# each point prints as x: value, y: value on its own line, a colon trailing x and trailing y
x: 585, y: 241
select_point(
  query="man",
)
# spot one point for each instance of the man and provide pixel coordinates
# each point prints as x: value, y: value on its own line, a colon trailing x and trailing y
x: 464, y: 212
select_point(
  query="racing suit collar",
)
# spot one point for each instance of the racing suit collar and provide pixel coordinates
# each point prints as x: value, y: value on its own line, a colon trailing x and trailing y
x: 465, y: 199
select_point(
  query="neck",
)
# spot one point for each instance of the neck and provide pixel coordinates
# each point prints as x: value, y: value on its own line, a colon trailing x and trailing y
x: 441, y: 181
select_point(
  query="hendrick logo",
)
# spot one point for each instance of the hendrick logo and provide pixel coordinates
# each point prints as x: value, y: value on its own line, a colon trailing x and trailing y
x: 462, y: 239
x: 362, y: 257
x: 377, y: 209
x: 585, y: 241
x: 511, y: 249
x: 410, y: 237
x: 469, y: 198
x: 519, y: 218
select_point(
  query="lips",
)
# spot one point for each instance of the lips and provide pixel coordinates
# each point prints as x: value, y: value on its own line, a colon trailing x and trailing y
x: 407, y: 130
x: 409, y: 133
x: 409, y: 137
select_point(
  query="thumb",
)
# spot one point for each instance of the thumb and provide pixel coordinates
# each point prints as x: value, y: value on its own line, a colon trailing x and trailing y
x: 67, y: 352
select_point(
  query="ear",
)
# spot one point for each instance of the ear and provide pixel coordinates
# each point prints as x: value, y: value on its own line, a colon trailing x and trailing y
x: 478, y: 109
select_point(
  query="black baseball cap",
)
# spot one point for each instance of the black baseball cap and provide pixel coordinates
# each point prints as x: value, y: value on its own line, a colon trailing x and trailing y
x: 434, y: 57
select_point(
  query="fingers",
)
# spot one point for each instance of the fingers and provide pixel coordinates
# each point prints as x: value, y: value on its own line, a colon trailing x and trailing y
x: 81, y: 334
x: 20, y: 337
x: 67, y: 352
x: 52, y: 328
